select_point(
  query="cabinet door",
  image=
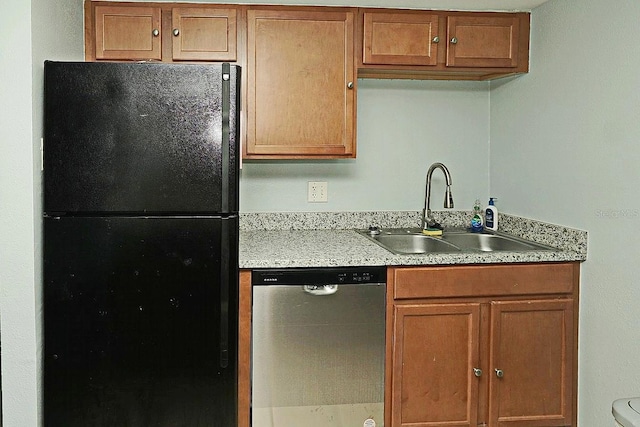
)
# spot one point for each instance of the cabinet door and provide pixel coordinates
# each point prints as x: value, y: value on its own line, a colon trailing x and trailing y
x: 483, y: 41
x: 124, y: 32
x: 435, y: 352
x: 203, y: 34
x: 301, y: 83
x: 400, y: 38
x: 531, y: 363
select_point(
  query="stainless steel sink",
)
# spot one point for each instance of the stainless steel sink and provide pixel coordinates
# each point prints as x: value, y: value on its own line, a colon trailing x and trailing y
x: 407, y: 241
x: 490, y: 242
x: 413, y: 244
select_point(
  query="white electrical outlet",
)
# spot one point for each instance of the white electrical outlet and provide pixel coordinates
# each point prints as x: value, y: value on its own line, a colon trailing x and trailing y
x: 317, y: 192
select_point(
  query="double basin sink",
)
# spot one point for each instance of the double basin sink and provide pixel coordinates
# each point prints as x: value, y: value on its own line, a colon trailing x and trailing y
x: 411, y: 241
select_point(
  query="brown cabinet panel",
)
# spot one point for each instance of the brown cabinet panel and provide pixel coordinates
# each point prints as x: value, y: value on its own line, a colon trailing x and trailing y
x: 532, y: 351
x: 506, y: 357
x: 301, y: 63
x: 127, y: 32
x: 424, y: 44
x: 204, y: 34
x: 484, y: 280
x: 244, y: 349
x: 483, y: 41
x: 301, y: 83
x: 435, y: 353
x: 400, y: 38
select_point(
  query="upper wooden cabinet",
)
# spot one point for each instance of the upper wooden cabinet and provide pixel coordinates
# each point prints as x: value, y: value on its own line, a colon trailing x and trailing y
x: 127, y: 32
x: 451, y: 45
x: 301, y: 82
x: 301, y: 63
x: 203, y: 34
x: 162, y: 32
x: 483, y: 41
x: 400, y: 38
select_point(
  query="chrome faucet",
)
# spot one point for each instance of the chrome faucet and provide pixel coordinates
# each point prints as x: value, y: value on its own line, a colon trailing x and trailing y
x: 427, y: 218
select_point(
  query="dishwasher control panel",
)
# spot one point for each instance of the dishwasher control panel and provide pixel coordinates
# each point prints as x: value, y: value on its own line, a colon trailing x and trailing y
x: 319, y: 276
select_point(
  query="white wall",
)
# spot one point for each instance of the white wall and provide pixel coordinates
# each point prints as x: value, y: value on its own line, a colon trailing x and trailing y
x: 33, y: 31
x: 564, y: 148
x: 403, y: 127
x: 17, y: 234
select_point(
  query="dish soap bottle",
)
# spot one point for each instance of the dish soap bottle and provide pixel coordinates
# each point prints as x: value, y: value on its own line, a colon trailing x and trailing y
x: 491, y: 215
x: 476, y: 220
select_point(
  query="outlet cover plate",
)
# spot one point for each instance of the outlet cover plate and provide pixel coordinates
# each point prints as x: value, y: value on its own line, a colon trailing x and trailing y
x: 317, y: 192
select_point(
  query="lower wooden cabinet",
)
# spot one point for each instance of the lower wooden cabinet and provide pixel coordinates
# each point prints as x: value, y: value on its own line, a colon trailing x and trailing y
x: 530, y: 366
x: 504, y: 358
x: 244, y: 349
x: 436, y: 348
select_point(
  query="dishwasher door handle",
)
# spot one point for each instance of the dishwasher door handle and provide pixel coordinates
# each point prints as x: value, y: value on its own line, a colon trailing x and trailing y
x: 320, y: 289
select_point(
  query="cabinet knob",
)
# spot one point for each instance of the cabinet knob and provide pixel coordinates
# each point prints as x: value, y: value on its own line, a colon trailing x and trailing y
x: 155, y: 32
x: 350, y: 85
x: 176, y: 32
x: 454, y: 40
x: 477, y: 372
x: 499, y: 373
x: 436, y: 39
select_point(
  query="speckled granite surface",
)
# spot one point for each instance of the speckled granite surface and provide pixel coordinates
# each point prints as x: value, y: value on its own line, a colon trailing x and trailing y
x: 318, y: 239
x: 344, y: 220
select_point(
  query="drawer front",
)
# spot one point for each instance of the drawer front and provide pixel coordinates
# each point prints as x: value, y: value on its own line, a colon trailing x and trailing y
x: 484, y: 280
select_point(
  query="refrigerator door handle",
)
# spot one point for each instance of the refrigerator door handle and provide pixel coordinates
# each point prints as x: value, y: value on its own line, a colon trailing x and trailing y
x: 225, y: 285
x: 226, y: 130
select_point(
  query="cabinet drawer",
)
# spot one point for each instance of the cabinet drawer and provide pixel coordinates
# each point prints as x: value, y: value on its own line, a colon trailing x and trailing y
x: 484, y: 280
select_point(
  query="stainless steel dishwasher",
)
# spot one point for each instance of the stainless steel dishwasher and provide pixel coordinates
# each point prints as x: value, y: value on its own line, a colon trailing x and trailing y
x: 318, y: 347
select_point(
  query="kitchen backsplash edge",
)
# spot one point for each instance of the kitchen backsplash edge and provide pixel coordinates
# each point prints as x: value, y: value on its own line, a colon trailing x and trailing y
x: 565, y: 238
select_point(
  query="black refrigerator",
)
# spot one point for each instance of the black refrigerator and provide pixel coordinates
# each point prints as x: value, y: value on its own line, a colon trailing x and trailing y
x: 140, y: 244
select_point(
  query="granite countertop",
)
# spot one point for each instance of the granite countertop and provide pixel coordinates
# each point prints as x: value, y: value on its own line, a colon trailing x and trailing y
x: 280, y: 240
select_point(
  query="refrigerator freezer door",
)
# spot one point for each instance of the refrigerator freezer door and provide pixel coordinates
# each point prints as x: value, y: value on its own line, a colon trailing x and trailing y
x: 140, y: 322
x: 130, y: 137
